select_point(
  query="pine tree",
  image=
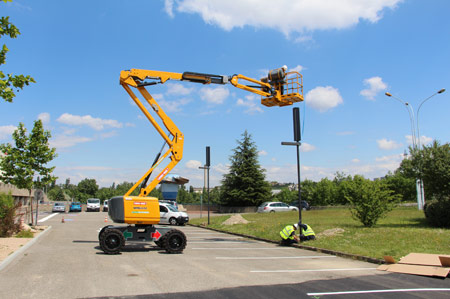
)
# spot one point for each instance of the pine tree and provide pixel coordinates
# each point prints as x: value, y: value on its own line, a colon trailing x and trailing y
x: 245, y: 184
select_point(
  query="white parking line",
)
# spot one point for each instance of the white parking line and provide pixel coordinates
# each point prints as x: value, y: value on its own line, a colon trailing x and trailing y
x: 379, y: 291
x: 222, y: 242
x: 243, y: 248
x: 216, y: 237
x: 272, y: 257
x: 204, y: 233
x: 311, y: 270
x: 48, y: 217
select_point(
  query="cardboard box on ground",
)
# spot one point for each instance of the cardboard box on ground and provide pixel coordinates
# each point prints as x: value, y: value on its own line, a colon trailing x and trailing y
x: 419, y: 264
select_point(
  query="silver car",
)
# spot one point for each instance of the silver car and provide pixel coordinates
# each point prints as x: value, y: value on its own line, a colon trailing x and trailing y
x: 275, y: 206
x: 58, y: 207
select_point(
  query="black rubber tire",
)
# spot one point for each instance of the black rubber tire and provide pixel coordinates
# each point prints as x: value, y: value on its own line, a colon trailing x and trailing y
x: 273, y: 211
x: 174, y: 241
x: 160, y: 242
x: 102, y: 231
x: 112, y: 241
x: 173, y: 221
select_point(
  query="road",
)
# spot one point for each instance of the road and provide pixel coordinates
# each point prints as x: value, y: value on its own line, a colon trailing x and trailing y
x: 68, y: 263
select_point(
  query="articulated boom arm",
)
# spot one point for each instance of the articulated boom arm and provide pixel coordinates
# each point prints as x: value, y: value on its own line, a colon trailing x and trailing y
x: 278, y: 89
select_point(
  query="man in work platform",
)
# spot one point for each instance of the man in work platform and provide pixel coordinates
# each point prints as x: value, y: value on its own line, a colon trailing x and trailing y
x: 289, y: 237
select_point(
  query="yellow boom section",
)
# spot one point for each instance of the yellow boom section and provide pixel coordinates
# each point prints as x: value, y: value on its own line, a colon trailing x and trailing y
x: 175, y: 138
x: 277, y: 89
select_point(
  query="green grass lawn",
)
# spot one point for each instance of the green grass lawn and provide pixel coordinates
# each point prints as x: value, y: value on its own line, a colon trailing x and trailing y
x: 403, y: 231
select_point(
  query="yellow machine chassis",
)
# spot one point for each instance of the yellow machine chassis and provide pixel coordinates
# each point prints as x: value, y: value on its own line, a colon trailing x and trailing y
x: 141, y: 210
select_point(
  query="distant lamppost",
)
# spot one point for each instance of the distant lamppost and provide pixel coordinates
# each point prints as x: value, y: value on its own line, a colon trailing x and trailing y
x: 416, y: 141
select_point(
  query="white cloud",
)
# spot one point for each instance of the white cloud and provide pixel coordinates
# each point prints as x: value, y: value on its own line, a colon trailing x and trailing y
x: 108, y: 134
x: 286, y: 16
x: 251, y: 103
x: 214, y: 95
x: 178, y: 89
x: 306, y: 147
x: 6, y: 131
x: 356, y: 160
x: 89, y: 168
x: 87, y: 120
x: 391, y: 158
x: 174, y: 106
x: 157, y: 96
x: 423, y: 139
x: 193, y: 164
x: 298, y: 68
x: 221, y: 168
x: 168, y: 7
x: 44, y: 117
x: 262, y: 153
x: 385, y: 144
x: 375, y: 85
x: 65, y: 141
x: 323, y: 98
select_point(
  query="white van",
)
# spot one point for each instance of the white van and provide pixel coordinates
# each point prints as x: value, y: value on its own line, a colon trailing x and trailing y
x: 93, y: 204
x: 169, y: 214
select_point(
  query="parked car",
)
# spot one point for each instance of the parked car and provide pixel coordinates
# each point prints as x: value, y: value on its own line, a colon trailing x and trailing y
x: 105, y: 206
x: 169, y: 214
x: 75, y: 207
x: 58, y: 207
x: 305, y: 205
x: 275, y: 206
x: 93, y: 204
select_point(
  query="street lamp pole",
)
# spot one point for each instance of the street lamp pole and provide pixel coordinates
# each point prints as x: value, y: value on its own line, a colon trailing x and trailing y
x: 206, y: 175
x: 416, y: 142
x: 418, y: 109
x: 297, y: 143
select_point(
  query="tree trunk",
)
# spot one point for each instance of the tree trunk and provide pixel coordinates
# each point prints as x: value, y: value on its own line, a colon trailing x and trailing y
x: 31, y: 206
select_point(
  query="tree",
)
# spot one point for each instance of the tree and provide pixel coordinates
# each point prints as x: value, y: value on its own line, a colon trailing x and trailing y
x: 245, y: 184
x: 402, y: 185
x: 325, y: 192
x: 287, y: 196
x: 432, y: 164
x: 56, y: 194
x: 87, y: 188
x: 8, y: 82
x: 105, y: 193
x: 370, y: 200
x: 27, y: 159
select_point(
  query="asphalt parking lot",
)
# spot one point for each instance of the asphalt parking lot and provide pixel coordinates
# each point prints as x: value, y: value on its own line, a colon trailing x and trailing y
x: 68, y: 263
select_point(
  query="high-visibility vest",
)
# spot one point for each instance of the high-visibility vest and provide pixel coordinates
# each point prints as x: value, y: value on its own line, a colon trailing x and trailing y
x: 286, y: 232
x: 308, y: 232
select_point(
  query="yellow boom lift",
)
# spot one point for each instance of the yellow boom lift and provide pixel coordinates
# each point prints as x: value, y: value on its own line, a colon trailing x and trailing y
x: 279, y: 88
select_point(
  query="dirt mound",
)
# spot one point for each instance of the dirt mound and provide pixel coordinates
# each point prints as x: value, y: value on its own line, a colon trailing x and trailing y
x: 235, y: 219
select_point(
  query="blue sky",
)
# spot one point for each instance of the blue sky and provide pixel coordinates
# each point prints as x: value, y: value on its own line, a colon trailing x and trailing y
x: 349, y: 53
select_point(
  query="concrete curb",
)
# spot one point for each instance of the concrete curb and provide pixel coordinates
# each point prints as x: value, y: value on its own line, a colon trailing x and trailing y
x: 321, y: 250
x: 22, y: 249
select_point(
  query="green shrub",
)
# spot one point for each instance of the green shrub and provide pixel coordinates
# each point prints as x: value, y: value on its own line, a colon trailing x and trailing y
x: 7, y: 215
x: 437, y: 212
x: 370, y: 200
x: 24, y: 234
